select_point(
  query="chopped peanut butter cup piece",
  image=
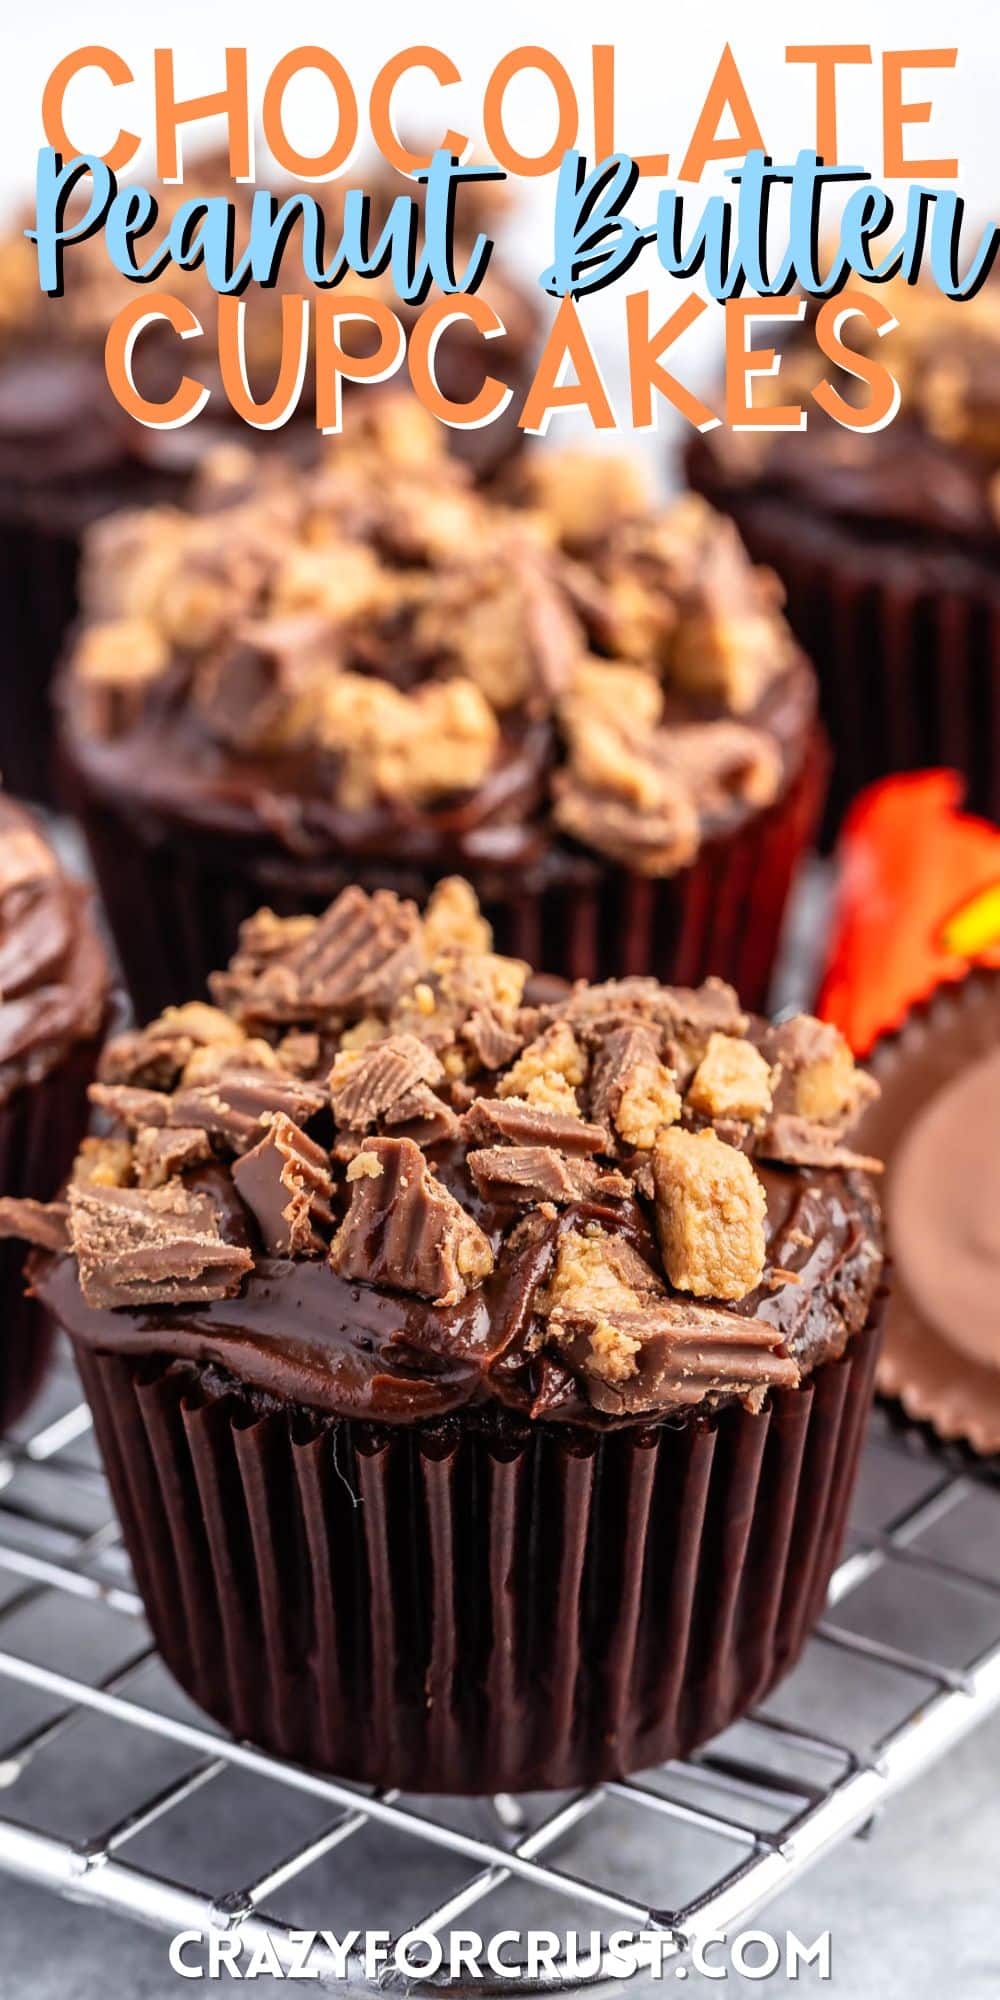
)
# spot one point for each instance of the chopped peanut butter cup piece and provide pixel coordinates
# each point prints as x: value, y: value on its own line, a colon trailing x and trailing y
x: 159, y: 1156
x: 359, y: 956
x: 819, y: 1079
x: 287, y: 1182
x: 610, y: 1315
x: 404, y: 1229
x: 43, y: 1223
x: 422, y: 746
x: 505, y: 626
x: 492, y: 1037
x: 803, y: 1142
x: 631, y: 1088
x: 378, y: 1081
x: 517, y: 1123
x: 239, y: 1102
x: 155, y: 1056
x: 164, y: 1246
x: 541, y: 1174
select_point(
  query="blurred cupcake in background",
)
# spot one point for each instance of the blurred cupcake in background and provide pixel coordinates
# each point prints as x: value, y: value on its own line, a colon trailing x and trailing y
x: 371, y: 672
x: 54, y: 1005
x: 69, y: 454
x: 887, y: 545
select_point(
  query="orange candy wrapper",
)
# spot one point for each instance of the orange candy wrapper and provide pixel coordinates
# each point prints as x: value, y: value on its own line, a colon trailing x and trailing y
x: 918, y: 903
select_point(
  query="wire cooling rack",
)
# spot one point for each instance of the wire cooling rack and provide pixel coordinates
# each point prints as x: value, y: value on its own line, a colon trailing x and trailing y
x: 115, y: 1791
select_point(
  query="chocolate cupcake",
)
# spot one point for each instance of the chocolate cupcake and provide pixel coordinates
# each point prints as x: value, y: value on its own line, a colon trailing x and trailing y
x: 374, y: 673
x: 54, y: 994
x: 937, y: 1124
x: 887, y: 546
x: 69, y: 454
x: 480, y: 1374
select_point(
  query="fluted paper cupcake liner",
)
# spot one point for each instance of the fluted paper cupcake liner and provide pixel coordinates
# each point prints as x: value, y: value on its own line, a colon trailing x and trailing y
x: 475, y: 1607
x: 40, y: 1128
x: 905, y: 642
x: 175, y: 900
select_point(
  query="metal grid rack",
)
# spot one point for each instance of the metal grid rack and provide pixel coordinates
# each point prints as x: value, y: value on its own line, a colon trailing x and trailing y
x: 115, y: 1791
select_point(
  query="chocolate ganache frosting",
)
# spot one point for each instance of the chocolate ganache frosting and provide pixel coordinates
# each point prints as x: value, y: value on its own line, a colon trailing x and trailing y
x: 934, y: 474
x: 389, y: 1175
x: 54, y: 976
x: 375, y: 659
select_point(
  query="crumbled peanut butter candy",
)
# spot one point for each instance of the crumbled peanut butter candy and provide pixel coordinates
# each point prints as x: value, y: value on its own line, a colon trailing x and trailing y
x: 116, y: 665
x: 598, y: 1280
x: 710, y: 1211
x: 649, y: 1101
x: 103, y: 1162
x: 548, y: 1072
x: 596, y: 1272
x: 732, y: 1080
x: 731, y: 658
x: 506, y: 628
x: 439, y: 739
x: 453, y: 920
x: 584, y: 494
x: 341, y: 582
x: 607, y: 688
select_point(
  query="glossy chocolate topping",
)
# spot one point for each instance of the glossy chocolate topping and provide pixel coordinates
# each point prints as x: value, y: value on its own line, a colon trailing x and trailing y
x: 938, y: 1125
x: 300, y: 1333
x: 388, y: 1178
x: 54, y: 977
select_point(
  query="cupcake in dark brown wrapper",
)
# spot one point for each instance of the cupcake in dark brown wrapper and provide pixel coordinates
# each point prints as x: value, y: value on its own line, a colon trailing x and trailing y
x: 54, y: 999
x: 937, y: 1124
x: 372, y: 673
x: 69, y: 455
x: 480, y: 1373
x: 887, y: 545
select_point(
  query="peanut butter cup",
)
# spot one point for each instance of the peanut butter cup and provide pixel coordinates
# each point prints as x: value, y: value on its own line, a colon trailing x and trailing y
x: 480, y: 1369
x: 938, y: 1126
